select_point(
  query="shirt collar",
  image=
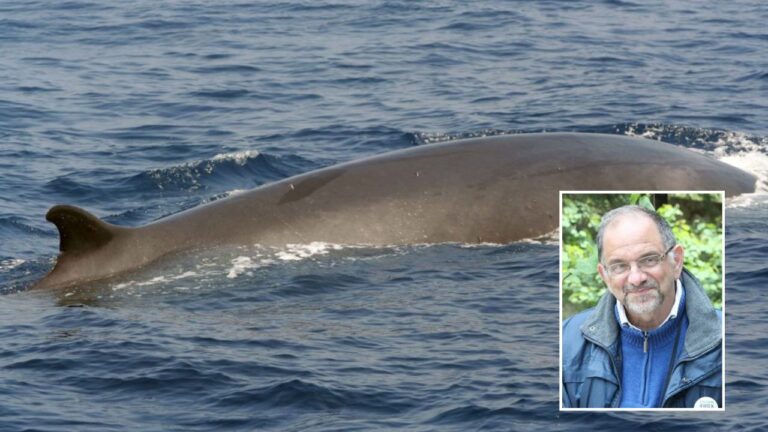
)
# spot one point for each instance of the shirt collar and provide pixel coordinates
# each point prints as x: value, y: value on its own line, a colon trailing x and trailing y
x: 624, y: 321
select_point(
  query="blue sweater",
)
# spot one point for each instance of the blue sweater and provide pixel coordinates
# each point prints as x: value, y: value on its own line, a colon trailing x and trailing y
x: 646, y: 360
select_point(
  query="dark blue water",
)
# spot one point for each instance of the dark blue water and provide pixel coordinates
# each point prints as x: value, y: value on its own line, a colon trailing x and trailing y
x: 137, y: 110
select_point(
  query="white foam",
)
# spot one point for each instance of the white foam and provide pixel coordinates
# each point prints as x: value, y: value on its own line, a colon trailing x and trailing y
x: 740, y: 201
x: 235, y: 192
x: 551, y: 238
x: 241, y: 265
x: 10, y: 264
x: 156, y: 280
x: 479, y: 245
x: 239, y: 158
x: 650, y: 132
x: 754, y: 162
x: 748, y: 200
x: 730, y: 142
x: 295, y: 252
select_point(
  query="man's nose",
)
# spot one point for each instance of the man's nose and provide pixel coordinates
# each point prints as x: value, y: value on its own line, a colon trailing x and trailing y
x: 636, y: 275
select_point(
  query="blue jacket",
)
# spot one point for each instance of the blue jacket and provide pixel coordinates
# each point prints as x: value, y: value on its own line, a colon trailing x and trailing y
x: 592, y: 355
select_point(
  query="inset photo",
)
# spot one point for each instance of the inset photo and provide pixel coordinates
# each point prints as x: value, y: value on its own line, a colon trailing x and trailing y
x: 642, y: 300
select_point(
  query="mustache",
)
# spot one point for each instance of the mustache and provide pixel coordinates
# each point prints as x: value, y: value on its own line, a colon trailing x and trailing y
x: 629, y: 288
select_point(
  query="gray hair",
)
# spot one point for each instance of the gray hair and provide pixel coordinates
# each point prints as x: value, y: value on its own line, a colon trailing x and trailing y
x: 667, y: 236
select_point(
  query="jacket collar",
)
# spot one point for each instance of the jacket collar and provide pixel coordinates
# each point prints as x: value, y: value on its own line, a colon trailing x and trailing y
x: 601, y: 326
x: 703, y: 321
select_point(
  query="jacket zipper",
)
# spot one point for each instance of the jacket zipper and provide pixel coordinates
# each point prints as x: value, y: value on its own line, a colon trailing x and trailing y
x: 646, y: 373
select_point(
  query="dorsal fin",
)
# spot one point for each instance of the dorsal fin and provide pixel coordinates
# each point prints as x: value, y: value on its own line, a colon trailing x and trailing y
x: 79, y: 231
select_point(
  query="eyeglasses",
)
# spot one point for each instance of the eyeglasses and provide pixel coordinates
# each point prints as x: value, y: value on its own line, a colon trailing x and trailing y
x: 645, y: 263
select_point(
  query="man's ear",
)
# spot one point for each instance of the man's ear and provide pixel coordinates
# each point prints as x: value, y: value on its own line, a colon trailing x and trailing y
x: 603, y: 273
x: 679, y: 254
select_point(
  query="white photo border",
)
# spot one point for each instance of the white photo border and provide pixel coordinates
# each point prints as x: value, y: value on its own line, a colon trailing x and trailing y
x: 560, y: 300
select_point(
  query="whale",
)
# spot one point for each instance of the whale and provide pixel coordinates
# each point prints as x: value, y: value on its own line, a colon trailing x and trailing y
x: 497, y: 189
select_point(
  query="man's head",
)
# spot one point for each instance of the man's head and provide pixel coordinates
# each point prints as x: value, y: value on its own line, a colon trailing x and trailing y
x: 639, y: 262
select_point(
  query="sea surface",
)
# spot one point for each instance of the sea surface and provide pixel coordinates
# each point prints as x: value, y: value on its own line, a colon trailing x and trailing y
x: 138, y: 110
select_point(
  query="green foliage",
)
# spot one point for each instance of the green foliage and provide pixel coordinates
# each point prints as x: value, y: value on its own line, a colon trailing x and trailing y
x: 696, y: 220
x: 642, y: 200
x: 702, y: 240
x: 581, y: 284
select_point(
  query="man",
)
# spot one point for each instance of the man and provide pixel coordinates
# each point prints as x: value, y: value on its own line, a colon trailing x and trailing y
x: 654, y: 338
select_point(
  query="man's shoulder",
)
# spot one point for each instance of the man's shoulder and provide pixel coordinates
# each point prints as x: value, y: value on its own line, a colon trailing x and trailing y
x: 573, y: 339
x: 574, y: 343
x: 573, y: 324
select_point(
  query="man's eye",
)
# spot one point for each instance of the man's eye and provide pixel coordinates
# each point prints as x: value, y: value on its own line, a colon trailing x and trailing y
x: 619, y: 268
x: 649, y: 261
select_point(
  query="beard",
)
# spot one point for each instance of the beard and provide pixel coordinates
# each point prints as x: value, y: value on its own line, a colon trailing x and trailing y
x: 645, y: 303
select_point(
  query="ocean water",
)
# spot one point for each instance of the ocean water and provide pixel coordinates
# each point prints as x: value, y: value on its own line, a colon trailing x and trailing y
x: 138, y: 110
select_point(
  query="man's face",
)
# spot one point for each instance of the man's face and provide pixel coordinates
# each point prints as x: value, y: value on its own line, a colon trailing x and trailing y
x: 646, y: 293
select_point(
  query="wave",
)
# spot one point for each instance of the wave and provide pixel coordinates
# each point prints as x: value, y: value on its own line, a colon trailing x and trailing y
x: 9, y: 264
x: 246, y: 168
x: 310, y: 396
x: 309, y: 149
x: 17, y: 274
x: 225, y: 171
x: 716, y: 141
